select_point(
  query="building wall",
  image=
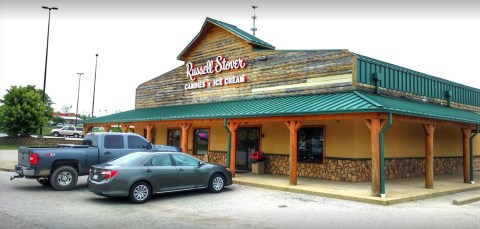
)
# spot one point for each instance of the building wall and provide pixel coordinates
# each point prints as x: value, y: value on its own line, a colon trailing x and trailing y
x: 270, y: 73
x: 349, y: 139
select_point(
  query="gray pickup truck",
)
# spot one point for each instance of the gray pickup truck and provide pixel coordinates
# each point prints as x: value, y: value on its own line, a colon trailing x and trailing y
x: 60, y: 166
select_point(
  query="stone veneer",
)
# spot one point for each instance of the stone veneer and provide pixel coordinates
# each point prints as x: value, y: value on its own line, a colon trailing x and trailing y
x: 351, y: 170
x: 359, y: 170
x: 217, y: 157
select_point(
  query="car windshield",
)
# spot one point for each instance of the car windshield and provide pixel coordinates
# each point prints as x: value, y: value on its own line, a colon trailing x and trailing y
x: 125, y: 159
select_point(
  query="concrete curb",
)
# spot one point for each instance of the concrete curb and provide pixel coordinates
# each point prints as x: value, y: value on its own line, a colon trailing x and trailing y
x: 466, y: 200
x: 7, y: 166
x: 7, y: 170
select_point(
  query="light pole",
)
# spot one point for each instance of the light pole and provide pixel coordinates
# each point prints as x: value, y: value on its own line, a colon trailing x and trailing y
x: 94, y: 82
x: 78, y: 97
x: 46, y: 58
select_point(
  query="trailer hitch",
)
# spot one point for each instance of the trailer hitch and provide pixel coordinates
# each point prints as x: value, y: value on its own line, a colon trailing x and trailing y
x: 17, y: 176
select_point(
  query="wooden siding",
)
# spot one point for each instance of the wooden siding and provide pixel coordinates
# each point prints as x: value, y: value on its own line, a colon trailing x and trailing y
x: 296, y: 72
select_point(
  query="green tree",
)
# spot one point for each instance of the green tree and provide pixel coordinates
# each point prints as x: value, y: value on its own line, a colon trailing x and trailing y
x: 23, y: 112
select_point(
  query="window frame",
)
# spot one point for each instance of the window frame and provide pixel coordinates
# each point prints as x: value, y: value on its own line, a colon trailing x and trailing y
x: 194, y: 145
x: 180, y: 140
x: 324, y: 128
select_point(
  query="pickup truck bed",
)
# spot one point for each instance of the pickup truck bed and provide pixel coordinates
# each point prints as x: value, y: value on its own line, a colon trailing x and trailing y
x: 60, y: 166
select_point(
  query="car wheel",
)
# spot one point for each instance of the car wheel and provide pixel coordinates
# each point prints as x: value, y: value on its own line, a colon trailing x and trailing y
x: 43, y: 181
x: 64, y: 178
x: 56, y: 134
x: 216, y: 184
x: 140, y: 192
x: 75, y: 135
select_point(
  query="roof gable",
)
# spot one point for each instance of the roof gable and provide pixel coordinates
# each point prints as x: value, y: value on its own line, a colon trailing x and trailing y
x: 209, y: 23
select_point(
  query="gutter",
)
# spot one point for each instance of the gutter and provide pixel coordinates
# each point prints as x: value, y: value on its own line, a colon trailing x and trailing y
x: 382, y: 155
x: 472, y: 180
x: 227, y: 163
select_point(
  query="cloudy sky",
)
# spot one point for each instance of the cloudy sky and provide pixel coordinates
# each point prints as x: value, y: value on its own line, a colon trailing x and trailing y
x: 139, y: 40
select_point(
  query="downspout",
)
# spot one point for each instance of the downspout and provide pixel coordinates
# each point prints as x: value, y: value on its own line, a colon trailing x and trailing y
x: 227, y: 163
x: 382, y: 155
x: 472, y: 181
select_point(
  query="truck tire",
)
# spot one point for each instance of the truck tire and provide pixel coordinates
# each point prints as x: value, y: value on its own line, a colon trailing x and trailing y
x: 43, y: 181
x: 64, y: 178
x: 56, y: 134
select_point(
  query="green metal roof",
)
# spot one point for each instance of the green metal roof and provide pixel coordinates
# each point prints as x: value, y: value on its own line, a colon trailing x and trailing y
x: 398, y: 78
x: 337, y: 103
x: 232, y: 29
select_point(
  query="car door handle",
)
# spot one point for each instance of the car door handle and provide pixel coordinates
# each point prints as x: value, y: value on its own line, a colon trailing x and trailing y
x: 107, y: 153
x: 180, y: 170
x: 148, y: 171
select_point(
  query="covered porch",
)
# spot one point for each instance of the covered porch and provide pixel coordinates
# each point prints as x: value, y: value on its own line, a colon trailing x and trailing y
x: 376, y: 112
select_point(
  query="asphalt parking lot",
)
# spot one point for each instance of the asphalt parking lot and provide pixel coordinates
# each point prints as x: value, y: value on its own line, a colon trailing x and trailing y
x: 26, y: 204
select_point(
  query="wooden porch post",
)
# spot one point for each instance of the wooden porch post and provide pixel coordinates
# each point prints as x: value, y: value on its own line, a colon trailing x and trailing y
x: 466, y: 154
x: 87, y: 129
x: 233, y: 126
x: 125, y: 128
x: 149, y: 128
x: 293, y: 126
x: 184, y: 137
x: 429, y: 130
x: 106, y: 128
x: 375, y: 125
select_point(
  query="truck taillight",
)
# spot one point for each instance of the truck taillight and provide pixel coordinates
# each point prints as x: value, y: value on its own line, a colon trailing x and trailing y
x: 33, y: 159
x: 108, y: 173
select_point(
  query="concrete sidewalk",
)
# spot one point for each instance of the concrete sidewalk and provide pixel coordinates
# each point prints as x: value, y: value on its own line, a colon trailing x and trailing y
x: 397, y: 190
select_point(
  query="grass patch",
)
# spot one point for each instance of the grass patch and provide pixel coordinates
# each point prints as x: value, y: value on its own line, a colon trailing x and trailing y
x: 9, y: 147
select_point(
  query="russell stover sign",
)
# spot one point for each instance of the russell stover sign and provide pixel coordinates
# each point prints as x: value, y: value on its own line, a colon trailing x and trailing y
x: 220, y: 64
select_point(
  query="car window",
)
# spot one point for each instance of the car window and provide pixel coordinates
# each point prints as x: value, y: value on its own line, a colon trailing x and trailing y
x: 90, y: 140
x: 71, y: 128
x: 114, y: 142
x: 79, y: 129
x: 159, y: 160
x: 65, y: 128
x: 136, y: 142
x: 126, y: 159
x: 184, y: 160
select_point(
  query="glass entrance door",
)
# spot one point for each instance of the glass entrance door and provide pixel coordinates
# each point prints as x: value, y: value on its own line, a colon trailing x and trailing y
x: 248, y: 140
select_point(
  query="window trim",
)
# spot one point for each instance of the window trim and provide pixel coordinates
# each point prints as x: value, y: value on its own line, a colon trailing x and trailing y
x: 324, y: 133
x: 194, y: 150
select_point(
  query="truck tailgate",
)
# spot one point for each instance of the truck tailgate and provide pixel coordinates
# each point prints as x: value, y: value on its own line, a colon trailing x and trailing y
x: 24, y: 156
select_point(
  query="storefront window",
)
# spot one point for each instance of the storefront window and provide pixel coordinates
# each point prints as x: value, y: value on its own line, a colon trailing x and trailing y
x: 173, y: 137
x: 310, y: 145
x: 201, y: 141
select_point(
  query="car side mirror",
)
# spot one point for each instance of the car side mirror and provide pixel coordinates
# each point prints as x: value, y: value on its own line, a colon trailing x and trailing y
x: 149, y: 146
x: 200, y: 164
